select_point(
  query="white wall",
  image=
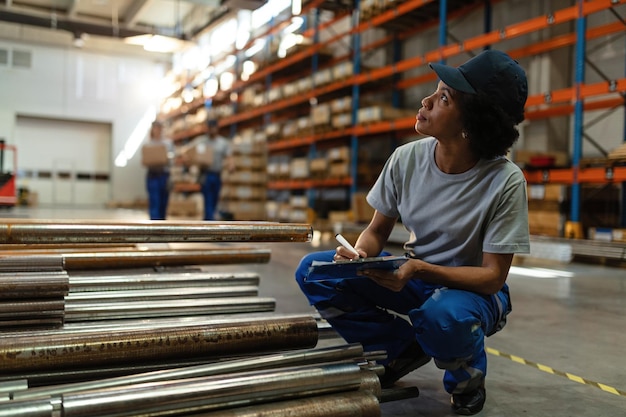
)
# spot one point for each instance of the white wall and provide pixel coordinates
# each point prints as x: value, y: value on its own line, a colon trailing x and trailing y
x: 65, y: 83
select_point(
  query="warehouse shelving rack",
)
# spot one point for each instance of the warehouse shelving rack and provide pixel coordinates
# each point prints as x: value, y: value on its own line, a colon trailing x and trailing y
x: 573, y: 100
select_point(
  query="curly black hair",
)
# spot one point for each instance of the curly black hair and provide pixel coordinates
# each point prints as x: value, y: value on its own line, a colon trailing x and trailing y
x: 490, y: 130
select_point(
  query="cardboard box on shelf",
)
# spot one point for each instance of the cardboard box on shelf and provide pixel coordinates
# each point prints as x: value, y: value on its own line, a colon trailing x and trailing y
x: 319, y: 167
x: 299, y: 168
x: 547, y: 192
x: 337, y: 216
x: 341, y: 153
x: 299, y: 201
x: 247, y: 210
x: 546, y: 223
x: 339, y: 169
x: 250, y: 162
x: 321, y: 114
x: 361, y: 210
x: 185, y: 207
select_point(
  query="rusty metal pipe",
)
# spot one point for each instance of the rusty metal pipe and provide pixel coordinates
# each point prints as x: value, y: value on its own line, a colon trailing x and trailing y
x: 339, y: 404
x: 34, y: 285
x: 142, y: 259
x: 43, y: 307
x: 143, y: 324
x: 82, y: 283
x: 21, y: 231
x: 52, y: 351
x: 271, y: 361
x: 31, y: 263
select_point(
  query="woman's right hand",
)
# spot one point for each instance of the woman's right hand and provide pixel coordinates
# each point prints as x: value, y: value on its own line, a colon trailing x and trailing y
x: 344, y: 254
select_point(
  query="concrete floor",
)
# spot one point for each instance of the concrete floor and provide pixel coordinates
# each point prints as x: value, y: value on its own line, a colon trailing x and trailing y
x: 562, y: 353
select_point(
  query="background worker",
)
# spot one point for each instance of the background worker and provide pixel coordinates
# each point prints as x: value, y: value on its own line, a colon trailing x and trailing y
x: 156, y: 156
x: 212, y: 154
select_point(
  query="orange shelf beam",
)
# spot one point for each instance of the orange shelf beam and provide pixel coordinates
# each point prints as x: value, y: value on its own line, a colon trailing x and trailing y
x: 563, y: 110
x: 568, y: 95
x: 306, y: 184
x: 596, y: 175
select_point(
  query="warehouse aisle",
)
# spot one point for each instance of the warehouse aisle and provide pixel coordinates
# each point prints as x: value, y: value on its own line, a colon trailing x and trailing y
x: 561, y: 354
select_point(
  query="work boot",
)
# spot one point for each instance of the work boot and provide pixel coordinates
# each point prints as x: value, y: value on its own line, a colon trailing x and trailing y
x: 409, y: 360
x: 470, y: 403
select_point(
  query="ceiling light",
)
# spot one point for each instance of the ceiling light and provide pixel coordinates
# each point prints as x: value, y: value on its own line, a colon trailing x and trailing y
x: 296, y: 7
x: 158, y: 43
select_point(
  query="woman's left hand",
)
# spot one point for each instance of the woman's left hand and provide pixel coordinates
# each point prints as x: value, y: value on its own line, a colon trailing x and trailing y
x: 393, y: 280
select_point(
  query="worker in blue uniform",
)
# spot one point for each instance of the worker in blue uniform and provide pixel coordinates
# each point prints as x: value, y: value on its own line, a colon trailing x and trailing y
x: 464, y: 205
x: 158, y: 173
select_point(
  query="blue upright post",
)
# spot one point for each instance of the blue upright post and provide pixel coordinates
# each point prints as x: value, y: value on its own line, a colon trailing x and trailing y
x: 356, y: 92
x: 487, y: 20
x: 314, y: 68
x: 579, y: 69
x: 443, y: 26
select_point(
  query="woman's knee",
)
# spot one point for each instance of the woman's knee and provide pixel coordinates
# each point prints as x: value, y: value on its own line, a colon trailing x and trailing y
x: 305, y: 263
x: 446, y: 326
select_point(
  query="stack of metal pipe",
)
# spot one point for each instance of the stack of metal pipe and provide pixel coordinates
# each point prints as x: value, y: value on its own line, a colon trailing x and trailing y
x: 168, y: 342
x: 32, y: 291
x: 36, y: 288
x: 337, y: 381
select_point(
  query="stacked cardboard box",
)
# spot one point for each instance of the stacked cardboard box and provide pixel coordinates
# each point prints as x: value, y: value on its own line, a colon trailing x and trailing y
x: 244, y: 190
x: 339, y: 162
x: 544, y: 209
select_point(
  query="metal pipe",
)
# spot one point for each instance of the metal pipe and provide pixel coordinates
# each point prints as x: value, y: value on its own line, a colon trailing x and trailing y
x: 31, y: 323
x: 79, y: 283
x: 339, y: 404
x: 117, y: 260
x: 52, y: 351
x: 31, y: 285
x: 162, y: 308
x: 155, y: 323
x: 370, y: 382
x: 212, y: 393
x: 124, y: 296
x: 74, y: 232
x: 31, y: 263
x: 14, y: 385
x: 44, y: 307
x: 194, y: 395
x: 272, y: 361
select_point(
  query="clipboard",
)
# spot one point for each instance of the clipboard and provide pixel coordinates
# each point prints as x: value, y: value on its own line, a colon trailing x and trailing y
x: 322, y: 271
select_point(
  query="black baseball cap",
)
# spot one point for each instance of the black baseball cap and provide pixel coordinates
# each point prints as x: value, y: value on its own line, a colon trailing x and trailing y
x: 491, y: 72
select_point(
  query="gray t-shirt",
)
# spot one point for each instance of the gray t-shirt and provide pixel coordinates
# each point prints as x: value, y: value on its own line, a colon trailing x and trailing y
x: 220, y: 146
x: 453, y: 218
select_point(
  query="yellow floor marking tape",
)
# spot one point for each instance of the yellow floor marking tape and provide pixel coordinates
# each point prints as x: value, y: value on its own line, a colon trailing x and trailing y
x: 553, y: 371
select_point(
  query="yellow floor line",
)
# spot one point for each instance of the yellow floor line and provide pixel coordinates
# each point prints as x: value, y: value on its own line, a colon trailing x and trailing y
x: 544, y: 368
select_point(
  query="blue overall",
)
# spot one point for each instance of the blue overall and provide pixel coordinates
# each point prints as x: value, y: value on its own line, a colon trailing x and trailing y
x: 158, y: 194
x: 211, y: 184
x: 449, y: 324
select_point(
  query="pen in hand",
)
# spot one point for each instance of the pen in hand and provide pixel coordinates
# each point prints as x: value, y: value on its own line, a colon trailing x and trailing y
x: 346, y: 244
